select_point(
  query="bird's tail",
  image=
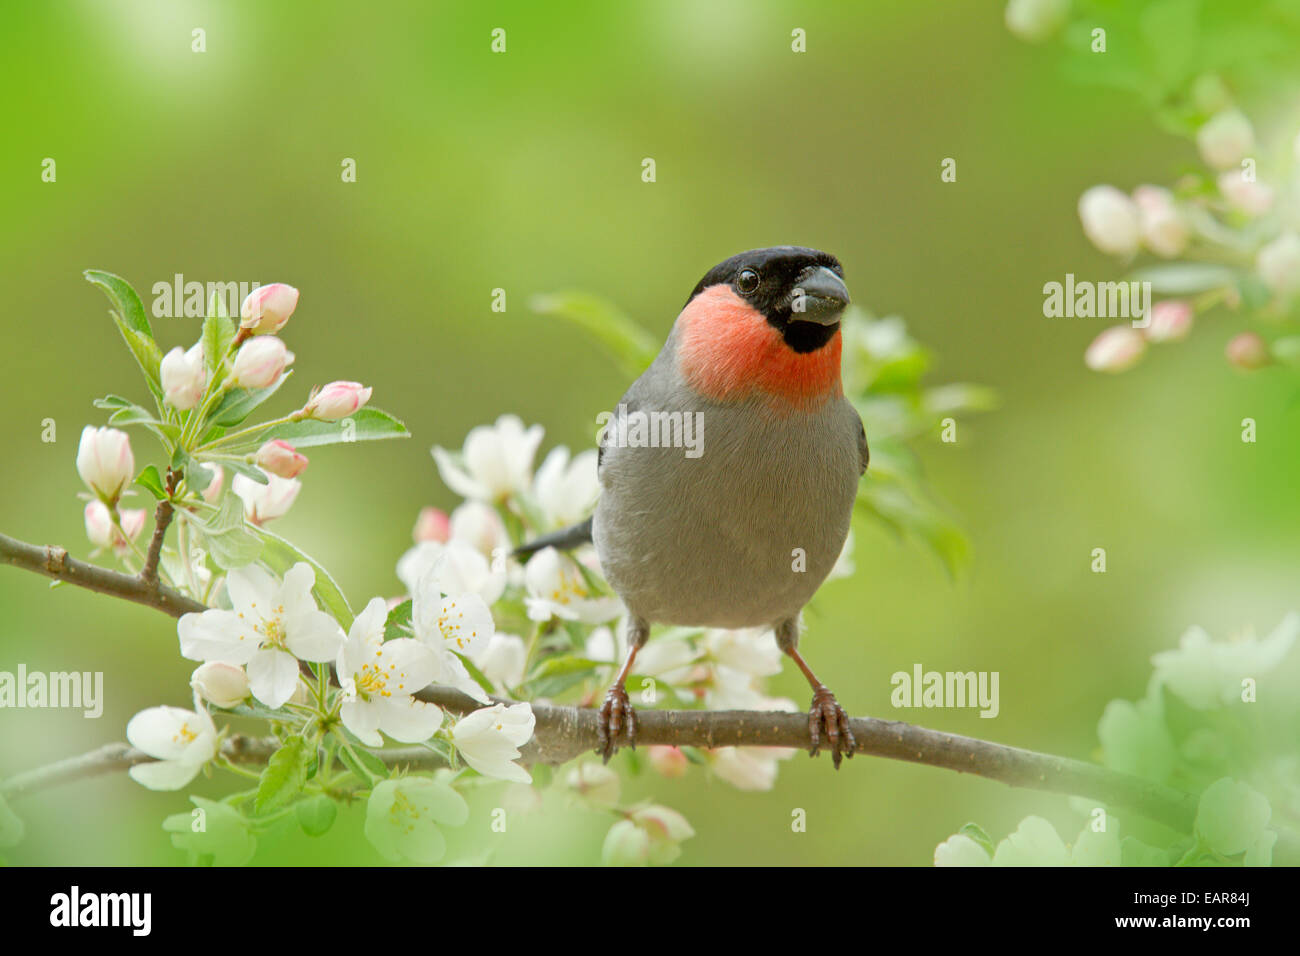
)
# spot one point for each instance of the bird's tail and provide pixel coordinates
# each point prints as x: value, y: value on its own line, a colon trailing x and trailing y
x: 565, y: 539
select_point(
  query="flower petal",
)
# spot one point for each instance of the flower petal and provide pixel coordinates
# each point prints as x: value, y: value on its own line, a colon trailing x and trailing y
x: 273, y: 677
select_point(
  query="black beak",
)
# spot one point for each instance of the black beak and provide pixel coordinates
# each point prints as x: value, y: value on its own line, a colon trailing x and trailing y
x: 819, y: 296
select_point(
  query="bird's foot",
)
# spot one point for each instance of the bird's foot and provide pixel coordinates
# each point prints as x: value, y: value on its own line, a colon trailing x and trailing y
x: 826, y: 716
x: 614, y: 717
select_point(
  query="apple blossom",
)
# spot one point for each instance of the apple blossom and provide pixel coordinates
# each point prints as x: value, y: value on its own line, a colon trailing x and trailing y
x: 105, y: 462
x: 378, y: 678
x: 278, y: 457
x: 457, y: 569
x: 1247, y: 351
x: 336, y: 400
x: 1116, y: 349
x: 566, y: 490
x: 432, y: 524
x: 181, y: 741
x: 1170, y: 320
x: 488, y: 740
x: 595, y: 783
x: 274, y: 624
x: 263, y: 503
x: 961, y: 850
x: 748, y: 768
x: 450, y: 626
x: 213, y: 491
x: 626, y: 844
x: 1246, y: 195
x: 502, y: 660
x: 225, y: 685
x: 478, y: 525
x: 1164, y: 230
x: 668, y: 761
x: 402, y: 817
x: 666, y: 828
x: 1225, y: 139
x: 267, y: 308
x: 495, y: 463
x: 557, y: 589
x: 101, y: 530
x: 183, y: 377
x: 1278, y: 264
x: 1206, y: 674
x: 259, y: 362
x: 1110, y: 220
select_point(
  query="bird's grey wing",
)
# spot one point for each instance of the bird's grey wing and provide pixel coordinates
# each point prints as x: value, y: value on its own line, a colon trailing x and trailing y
x: 864, y: 453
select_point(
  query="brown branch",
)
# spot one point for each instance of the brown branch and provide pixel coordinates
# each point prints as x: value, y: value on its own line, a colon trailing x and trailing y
x: 564, y: 733
x: 162, y: 517
x: 55, y: 562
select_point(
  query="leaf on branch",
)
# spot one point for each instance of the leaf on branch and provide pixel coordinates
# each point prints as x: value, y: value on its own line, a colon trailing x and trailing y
x: 151, y: 481
x: 237, y: 403
x: 133, y: 323
x: 231, y: 543
x: 632, y: 346
x: 398, y: 622
x: 367, y: 424
x: 1183, y: 278
x: 218, y: 333
x: 365, y: 766
x: 279, y: 555
x: 316, y: 814
x: 284, y: 776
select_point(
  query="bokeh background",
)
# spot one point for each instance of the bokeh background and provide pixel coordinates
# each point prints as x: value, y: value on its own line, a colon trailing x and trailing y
x: 522, y: 171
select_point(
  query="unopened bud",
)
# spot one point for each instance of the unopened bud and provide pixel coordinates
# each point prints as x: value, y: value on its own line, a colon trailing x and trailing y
x: 267, y: 308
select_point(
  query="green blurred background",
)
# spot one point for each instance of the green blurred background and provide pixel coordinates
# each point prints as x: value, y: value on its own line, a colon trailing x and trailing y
x: 522, y: 171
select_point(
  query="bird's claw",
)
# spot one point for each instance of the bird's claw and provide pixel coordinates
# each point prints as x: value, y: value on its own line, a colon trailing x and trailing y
x: 826, y: 715
x: 614, y: 717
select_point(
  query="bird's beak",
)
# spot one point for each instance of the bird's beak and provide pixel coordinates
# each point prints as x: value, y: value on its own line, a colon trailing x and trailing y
x: 819, y: 296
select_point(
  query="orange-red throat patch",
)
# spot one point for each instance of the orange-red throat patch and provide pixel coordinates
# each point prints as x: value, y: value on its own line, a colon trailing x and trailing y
x: 727, y: 350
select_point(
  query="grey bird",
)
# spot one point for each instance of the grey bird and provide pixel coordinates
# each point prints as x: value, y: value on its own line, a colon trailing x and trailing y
x: 729, y: 470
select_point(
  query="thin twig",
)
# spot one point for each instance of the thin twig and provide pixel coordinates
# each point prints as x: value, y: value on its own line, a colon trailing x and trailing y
x: 162, y: 517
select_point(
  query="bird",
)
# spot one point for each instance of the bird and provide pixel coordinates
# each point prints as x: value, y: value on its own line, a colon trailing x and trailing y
x: 739, y: 528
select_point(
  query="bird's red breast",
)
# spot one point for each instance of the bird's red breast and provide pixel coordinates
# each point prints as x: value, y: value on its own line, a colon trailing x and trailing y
x: 727, y: 350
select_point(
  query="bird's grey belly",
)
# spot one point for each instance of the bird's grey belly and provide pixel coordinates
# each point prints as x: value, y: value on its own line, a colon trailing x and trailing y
x: 741, y: 536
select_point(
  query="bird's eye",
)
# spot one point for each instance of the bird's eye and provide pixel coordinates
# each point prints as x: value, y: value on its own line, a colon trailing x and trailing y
x: 747, y: 281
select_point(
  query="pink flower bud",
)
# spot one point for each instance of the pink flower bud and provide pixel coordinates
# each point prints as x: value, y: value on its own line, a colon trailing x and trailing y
x: 259, y: 362
x: 268, y: 308
x: 183, y: 377
x: 222, y: 684
x: 337, y: 400
x: 263, y: 502
x: 213, y: 491
x: 99, y: 524
x: 280, y: 458
x: 1246, y: 195
x: 1278, y: 264
x: 1116, y: 349
x: 1248, y: 351
x: 132, y: 520
x: 105, y: 462
x: 1226, y: 139
x: 1164, y: 231
x: 668, y: 761
x: 1110, y: 220
x: 432, y: 525
x: 1170, y: 320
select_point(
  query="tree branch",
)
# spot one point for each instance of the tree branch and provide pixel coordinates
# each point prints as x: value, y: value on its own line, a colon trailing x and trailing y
x: 563, y: 733
x: 162, y: 517
x: 55, y: 562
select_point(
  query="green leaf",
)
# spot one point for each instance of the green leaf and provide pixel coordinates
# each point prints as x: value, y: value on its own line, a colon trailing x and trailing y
x: 479, y: 677
x: 557, y: 674
x: 1183, y: 278
x: 237, y: 403
x: 632, y: 346
x: 279, y: 556
x: 284, y: 776
x: 218, y: 333
x: 151, y: 481
x: 975, y: 832
x: 316, y: 814
x: 133, y: 324
x: 398, y: 622
x: 229, y: 538
x: 368, y: 424
x: 214, y: 834
x: 364, y: 765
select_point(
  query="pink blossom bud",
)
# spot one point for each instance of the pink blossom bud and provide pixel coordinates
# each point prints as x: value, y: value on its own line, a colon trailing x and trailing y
x: 337, y: 400
x: 1110, y: 220
x: 183, y: 377
x: 1247, y: 351
x: 432, y: 525
x: 1246, y: 195
x: 105, y: 462
x: 213, y: 491
x: 1115, y: 350
x: 268, y: 308
x: 259, y: 362
x: 280, y: 458
x: 1226, y: 139
x: 668, y: 761
x: 1170, y: 320
x: 1164, y: 231
x: 263, y: 502
x: 132, y: 520
x: 222, y: 684
x: 1278, y: 264
x: 99, y: 524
